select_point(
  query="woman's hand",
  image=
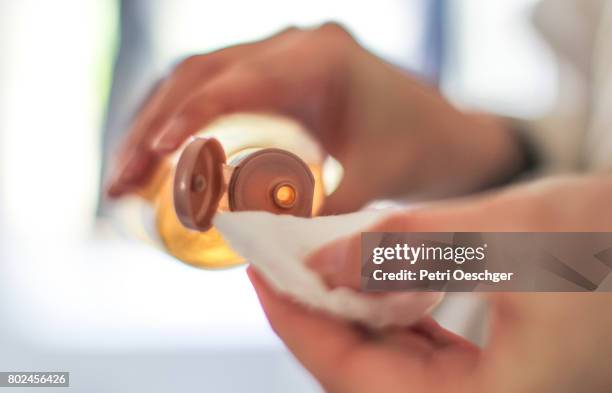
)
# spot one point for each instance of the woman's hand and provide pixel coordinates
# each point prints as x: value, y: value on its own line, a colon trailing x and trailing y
x: 548, y: 342
x: 347, y: 358
x: 393, y: 134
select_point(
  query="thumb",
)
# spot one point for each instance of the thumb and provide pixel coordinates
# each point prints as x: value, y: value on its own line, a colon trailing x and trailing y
x: 339, y: 262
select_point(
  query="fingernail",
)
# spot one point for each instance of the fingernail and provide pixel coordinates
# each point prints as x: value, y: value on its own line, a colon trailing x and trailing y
x: 169, y: 136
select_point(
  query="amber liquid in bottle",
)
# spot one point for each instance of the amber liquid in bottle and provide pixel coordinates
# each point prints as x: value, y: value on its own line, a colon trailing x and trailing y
x: 204, y: 249
x: 239, y: 135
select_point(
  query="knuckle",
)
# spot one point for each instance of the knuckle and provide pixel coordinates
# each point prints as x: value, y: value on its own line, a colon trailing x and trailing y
x: 250, y: 76
x: 188, y: 64
x: 333, y: 29
x: 334, y: 40
x: 289, y: 30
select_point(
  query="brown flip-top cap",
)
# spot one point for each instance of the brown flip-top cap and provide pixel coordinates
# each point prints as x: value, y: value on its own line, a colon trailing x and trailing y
x: 273, y: 180
x: 198, y: 183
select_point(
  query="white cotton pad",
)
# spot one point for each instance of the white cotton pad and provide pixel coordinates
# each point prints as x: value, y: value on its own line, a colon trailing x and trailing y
x: 278, y: 246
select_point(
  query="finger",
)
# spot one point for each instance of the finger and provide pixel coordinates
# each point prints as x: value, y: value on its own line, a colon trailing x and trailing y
x: 130, y: 159
x: 196, y: 71
x: 321, y: 343
x: 285, y: 81
x: 130, y: 175
x: 338, y: 265
x: 170, y: 95
x: 172, y: 92
x: 344, y: 357
x: 339, y: 262
x: 240, y: 89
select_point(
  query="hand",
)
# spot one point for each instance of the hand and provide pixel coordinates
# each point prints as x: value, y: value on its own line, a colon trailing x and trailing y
x: 549, y: 342
x: 346, y: 358
x: 391, y: 133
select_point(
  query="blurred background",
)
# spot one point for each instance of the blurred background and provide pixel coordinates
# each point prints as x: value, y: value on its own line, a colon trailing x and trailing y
x: 122, y: 316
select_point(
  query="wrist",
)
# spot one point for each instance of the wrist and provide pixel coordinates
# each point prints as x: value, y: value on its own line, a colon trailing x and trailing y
x: 466, y: 153
x: 504, y: 152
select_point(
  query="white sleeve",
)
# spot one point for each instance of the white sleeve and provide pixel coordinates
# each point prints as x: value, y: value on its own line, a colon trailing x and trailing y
x: 569, y: 26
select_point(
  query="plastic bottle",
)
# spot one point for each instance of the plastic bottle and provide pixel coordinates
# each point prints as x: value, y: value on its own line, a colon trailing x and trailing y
x: 240, y: 162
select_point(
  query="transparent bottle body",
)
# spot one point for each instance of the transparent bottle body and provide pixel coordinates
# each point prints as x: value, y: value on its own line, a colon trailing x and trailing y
x: 239, y: 135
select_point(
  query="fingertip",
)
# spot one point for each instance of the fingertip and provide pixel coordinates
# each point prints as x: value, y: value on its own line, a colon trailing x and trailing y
x: 118, y: 189
x: 337, y: 263
x: 114, y: 189
x: 117, y: 185
x: 133, y: 174
x: 330, y: 258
